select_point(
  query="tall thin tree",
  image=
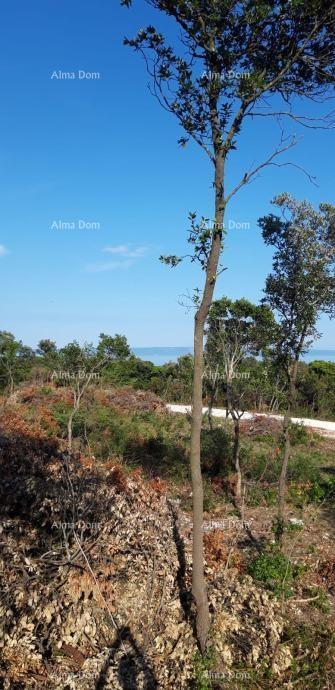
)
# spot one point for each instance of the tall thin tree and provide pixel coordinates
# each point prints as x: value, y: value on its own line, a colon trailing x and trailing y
x: 299, y: 289
x: 233, y: 62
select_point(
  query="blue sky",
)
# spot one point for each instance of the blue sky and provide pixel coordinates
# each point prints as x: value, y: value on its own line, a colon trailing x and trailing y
x: 103, y: 152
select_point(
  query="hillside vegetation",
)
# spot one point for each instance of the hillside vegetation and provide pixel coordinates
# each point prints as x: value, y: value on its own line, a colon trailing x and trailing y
x: 96, y: 549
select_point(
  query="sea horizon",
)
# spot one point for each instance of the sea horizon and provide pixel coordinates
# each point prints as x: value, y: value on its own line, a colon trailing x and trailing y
x: 163, y: 355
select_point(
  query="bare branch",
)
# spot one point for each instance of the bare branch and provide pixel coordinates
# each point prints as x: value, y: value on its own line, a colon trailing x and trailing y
x: 304, y: 120
x: 268, y: 162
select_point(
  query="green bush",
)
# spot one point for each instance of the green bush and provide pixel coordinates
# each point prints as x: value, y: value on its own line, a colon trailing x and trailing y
x: 275, y: 571
x: 304, y: 466
x: 315, y: 491
x: 258, y: 495
x: 258, y: 463
x: 157, y: 443
x: 216, y: 451
x: 203, y: 664
x: 322, y: 491
x: 299, y: 435
x: 313, y: 648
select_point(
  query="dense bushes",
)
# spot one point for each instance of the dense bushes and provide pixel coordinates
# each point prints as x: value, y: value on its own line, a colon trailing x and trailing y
x: 111, y: 363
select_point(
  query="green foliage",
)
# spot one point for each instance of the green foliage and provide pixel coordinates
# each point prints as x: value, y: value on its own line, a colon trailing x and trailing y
x: 172, y: 381
x: 313, y: 648
x: 157, y: 443
x: 293, y: 527
x: 202, y: 665
x: 74, y: 358
x: 216, y: 452
x: 299, y: 435
x: 111, y: 363
x: 321, y: 602
x: 235, y: 332
x: 322, y: 491
x: 275, y: 571
x: 16, y: 361
x: 130, y: 372
x: 217, y: 43
x: 46, y: 347
x: 305, y: 465
x: 302, y: 283
x: 113, y: 347
x: 316, y: 389
x: 211, y: 499
x: 258, y: 495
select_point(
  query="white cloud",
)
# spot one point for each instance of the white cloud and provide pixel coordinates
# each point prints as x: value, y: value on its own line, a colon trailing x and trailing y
x: 3, y: 250
x: 124, y: 250
x: 108, y: 266
x: 120, y: 249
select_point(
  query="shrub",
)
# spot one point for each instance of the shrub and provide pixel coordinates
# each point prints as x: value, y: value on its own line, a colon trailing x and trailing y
x: 274, y: 570
x: 259, y: 495
x: 216, y: 451
x: 313, y: 648
x: 299, y: 435
x: 203, y: 664
x: 322, y: 491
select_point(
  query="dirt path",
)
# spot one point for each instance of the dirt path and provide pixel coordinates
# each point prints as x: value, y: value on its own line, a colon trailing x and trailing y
x: 323, y: 427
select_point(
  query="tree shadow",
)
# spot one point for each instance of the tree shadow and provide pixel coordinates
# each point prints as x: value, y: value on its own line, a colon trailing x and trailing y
x: 185, y: 595
x: 131, y: 665
x: 156, y: 457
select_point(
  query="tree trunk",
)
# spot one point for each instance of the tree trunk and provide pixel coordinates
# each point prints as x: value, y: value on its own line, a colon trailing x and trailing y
x: 199, y: 589
x: 211, y: 399
x: 198, y: 578
x: 236, y: 460
x: 76, y: 404
x: 286, y: 457
x: 287, y: 451
x: 69, y: 431
x: 77, y: 396
x: 236, y: 446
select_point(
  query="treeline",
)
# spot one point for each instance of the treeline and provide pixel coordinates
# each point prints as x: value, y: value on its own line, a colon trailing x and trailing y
x: 256, y: 383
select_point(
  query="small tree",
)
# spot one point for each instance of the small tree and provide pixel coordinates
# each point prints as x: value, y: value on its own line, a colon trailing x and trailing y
x: 48, y: 357
x: 235, y: 331
x: 178, y: 386
x: 235, y: 61
x: 113, y: 347
x: 80, y: 366
x: 46, y: 347
x: 300, y: 288
x: 15, y: 361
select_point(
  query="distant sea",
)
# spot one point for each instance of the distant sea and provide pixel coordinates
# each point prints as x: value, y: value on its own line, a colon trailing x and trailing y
x: 162, y: 355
